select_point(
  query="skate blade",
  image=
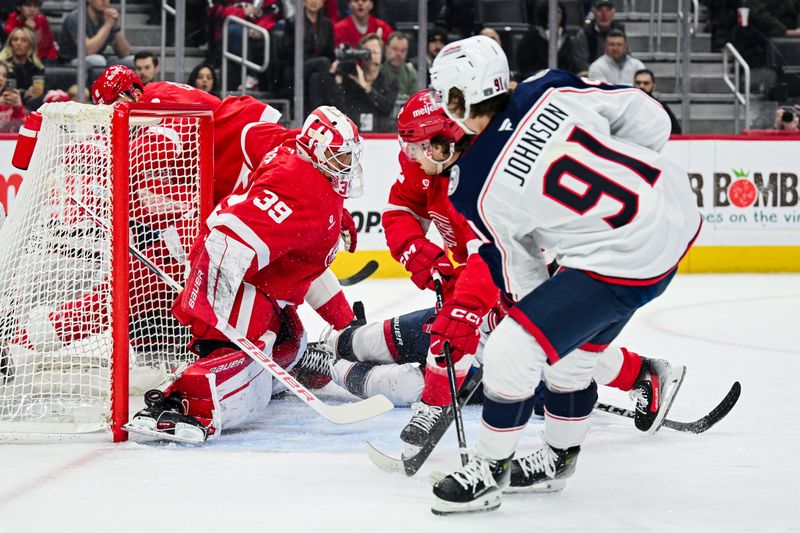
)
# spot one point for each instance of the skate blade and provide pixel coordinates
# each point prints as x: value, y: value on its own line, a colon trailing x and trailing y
x: 151, y: 432
x: 444, y: 508
x: 553, y: 485
x: 677, y: 375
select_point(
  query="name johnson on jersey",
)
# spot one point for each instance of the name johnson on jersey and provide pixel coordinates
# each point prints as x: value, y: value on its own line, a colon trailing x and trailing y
x: 538, y: 128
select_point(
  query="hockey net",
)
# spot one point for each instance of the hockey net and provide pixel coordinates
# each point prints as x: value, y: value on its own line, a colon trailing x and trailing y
x: 83, y: 324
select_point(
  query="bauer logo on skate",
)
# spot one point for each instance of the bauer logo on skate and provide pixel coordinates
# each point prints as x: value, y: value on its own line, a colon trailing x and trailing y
x: 536, y: 131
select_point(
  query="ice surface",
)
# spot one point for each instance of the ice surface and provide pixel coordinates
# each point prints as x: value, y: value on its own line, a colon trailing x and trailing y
x: 293, y: 471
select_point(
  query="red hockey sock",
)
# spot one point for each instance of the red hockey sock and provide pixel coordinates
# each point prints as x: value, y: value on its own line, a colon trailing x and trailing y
x: 631, y: 366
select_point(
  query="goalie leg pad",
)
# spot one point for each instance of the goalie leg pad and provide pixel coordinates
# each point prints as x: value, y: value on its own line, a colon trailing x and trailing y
x: 242, y: 387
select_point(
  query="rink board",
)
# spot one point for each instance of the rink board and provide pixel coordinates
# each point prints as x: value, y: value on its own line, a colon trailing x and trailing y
x: 747, y: 190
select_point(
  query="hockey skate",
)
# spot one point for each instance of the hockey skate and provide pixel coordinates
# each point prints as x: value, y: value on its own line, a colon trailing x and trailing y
x: 473, y: 488
x: 654, y: 391
x: 163, y: 418
x: 316, y: 365
x: 545, y: 470
x: 418, y: 430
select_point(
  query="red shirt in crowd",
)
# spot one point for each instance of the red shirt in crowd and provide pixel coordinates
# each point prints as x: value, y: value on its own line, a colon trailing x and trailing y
x: 44, y: 37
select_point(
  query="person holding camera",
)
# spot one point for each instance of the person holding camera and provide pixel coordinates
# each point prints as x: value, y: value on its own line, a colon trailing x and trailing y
x: 361, y: 89
x: 19, y: 53
x: 12, y: 112
x: 787, y: 118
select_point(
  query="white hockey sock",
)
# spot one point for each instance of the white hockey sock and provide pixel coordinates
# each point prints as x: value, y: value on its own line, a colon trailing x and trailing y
x: 402, y: 384
x: 369, y: 344
x: 497, y: 444
x: 608, y: 365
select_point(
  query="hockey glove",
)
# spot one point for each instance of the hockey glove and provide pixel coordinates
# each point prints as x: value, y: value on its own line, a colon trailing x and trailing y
x: 421, y: 258
x: 458, y: 325
x: 349, y: 231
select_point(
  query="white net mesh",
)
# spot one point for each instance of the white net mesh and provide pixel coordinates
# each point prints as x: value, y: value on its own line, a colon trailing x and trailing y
x: 57, y: 272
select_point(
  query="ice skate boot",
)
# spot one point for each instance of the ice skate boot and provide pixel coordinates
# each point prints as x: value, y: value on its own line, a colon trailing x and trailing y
x: 316, y: 367
x: 473, y: 488
x: 545, y: 470
x: 418, y: 430
x: 654, y: 391
x: 163, y: 418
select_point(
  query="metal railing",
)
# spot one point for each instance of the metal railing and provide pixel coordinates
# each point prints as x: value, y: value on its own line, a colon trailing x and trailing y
x: 242, y: 60
x: 656, y: 24
x: 739, y: 97
x: 166, y: 9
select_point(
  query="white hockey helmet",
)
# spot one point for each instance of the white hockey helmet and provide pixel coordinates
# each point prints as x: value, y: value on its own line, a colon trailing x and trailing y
x: 330, y: 141
x: 477, y: 66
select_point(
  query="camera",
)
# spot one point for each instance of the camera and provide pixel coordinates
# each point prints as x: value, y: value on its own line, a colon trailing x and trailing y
x: 348, y: 57
x: 11, y: 83
x: 787, y: 114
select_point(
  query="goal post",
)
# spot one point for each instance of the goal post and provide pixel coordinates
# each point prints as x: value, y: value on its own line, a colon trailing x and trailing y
x: 78, y: 314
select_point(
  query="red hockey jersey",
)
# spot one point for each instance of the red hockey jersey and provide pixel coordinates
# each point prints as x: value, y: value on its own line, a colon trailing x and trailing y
x: 416, y: 200
x: 278, y: 237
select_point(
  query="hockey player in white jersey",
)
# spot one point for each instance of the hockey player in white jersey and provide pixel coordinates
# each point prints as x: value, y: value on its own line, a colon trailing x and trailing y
x: 572, y: 166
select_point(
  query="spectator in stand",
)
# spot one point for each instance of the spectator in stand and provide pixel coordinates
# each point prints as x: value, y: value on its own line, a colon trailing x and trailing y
x: 645, y: 80
x: 398, y: 66
x: 264, y: 14
x: 73, y: 94
x: 533, y: 49
x: 368, y: 95
x: 332, y: 10
x: 776, y: 18
x: 492, y: 34
x: 12, y: 112
x: 146, y: 66
x: 102, y: 30
x: 29, y: 16
x: 350, y: 30
x: 787, y: 118
x: 204, y: 77
x: 722, y: 18
x: 590, y: 39
x: 437, y: 38
x: 56, y: 95
x: 20, y: 53
x: 616, y: 65
x: 318, y: 55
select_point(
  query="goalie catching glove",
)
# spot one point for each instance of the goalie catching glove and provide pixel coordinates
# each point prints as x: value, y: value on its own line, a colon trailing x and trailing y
x: 421, y: 258
x: 458, y: 325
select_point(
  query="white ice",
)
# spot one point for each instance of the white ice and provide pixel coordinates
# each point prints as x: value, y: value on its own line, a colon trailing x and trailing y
x: 293, y: 471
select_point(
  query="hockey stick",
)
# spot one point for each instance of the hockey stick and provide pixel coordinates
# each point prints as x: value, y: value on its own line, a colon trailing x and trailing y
x: 698, y: 426
x: 411, y: 465
x: 451, y: 377
x: 338, y: 414
x: 365, y: 272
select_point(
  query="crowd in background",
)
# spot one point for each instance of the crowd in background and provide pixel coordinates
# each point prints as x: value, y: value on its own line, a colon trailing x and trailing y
x: 354, y: 59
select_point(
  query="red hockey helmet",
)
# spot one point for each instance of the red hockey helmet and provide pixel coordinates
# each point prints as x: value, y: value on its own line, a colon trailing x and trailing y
x: 115, y: 81
x: 331, y: 142
x: 421, y: 120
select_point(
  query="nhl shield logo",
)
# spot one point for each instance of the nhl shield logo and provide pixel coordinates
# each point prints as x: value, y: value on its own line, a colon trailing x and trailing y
x: 455, y: 173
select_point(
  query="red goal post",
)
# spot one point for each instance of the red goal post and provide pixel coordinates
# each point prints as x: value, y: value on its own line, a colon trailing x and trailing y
x: 83, y: 324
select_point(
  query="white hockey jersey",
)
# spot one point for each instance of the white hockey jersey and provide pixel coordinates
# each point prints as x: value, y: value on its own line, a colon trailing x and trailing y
x: 573, y: 166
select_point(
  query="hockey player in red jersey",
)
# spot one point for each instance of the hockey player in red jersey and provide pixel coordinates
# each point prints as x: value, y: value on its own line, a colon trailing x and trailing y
x: 249, y: 270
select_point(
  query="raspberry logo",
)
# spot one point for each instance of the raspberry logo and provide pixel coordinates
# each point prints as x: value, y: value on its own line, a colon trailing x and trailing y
x: 742, y: 192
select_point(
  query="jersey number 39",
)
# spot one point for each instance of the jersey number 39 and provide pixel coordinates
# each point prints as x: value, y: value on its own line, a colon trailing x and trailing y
x: 597, y: 184
x: 276, y: 209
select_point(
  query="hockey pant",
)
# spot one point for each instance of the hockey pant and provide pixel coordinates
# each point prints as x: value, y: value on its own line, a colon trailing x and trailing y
x: 225, y: 388
x: 555, y: 333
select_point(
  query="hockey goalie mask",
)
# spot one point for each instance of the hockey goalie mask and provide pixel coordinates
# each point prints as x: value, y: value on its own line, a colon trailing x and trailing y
x: 116, y: 81
x: 477, y: 66
x: 422, y: 120
x: 330, y: 141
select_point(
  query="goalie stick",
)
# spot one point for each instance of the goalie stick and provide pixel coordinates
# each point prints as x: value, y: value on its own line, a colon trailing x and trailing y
x: 698, y: 426
x: 365, y: 272
x: 338, y: 414
x: 411, y: 465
